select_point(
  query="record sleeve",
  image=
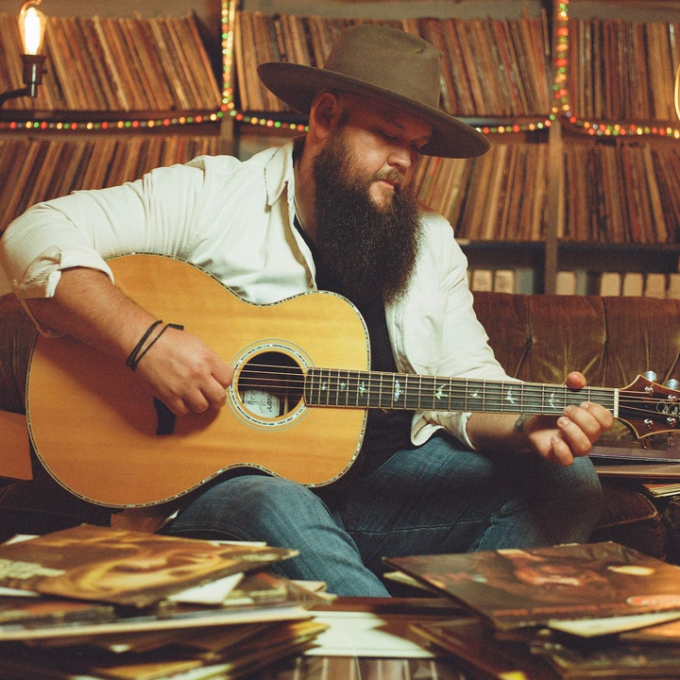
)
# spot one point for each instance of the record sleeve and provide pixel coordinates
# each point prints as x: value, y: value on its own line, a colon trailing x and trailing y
x: 124, y: 567
x: 514, y: 588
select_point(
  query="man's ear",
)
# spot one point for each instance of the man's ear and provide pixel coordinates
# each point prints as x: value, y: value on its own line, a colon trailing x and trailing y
x: 325, y: 113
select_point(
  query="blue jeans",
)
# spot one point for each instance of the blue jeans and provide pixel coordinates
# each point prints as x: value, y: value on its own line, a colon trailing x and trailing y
x: 437, y: 498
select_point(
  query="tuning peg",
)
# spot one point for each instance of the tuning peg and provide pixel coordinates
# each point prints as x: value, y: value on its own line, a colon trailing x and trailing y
x: 650, y: 375
x: 672, y: 384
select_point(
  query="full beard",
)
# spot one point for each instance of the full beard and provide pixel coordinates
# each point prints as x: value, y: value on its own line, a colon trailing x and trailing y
x: 368, y: 250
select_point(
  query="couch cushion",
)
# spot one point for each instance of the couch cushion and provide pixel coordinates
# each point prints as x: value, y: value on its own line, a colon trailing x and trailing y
x: 643, y: 334
x: 540, y: 338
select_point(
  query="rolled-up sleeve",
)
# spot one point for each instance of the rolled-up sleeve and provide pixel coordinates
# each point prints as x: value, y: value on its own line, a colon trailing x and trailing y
x: 153, y: 214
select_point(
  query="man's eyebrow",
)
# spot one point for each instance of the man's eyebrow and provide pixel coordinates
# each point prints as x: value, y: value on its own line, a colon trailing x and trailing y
x: 386, y: 119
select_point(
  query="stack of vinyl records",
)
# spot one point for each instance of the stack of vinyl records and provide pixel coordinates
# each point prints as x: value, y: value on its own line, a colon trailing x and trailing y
x: 96, y: 602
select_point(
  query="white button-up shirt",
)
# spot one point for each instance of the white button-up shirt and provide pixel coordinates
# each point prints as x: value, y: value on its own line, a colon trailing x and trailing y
x: 235, y: 219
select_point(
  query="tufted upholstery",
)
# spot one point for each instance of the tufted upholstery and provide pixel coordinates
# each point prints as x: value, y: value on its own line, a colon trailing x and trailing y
x: 609, y: 339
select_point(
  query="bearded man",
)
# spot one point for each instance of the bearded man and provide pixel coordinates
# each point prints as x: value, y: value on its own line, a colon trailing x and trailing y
x: 332, y: 211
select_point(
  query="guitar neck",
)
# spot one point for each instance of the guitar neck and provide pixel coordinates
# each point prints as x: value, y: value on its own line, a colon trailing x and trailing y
x: 403, y: 391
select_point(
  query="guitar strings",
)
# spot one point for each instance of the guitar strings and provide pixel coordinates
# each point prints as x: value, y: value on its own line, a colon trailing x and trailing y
x: 376, y: 376
x: 383, y: 385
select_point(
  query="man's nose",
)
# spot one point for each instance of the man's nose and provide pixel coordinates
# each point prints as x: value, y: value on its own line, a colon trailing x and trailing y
x: 400, y: 157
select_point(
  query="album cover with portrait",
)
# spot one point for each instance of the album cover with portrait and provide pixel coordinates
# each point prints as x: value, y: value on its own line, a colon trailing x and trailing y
x: 530, y: 587
x: 124, y: 567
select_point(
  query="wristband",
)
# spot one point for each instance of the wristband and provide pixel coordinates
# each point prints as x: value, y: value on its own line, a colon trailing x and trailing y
x: 150, y: 345
x: 134, y: 357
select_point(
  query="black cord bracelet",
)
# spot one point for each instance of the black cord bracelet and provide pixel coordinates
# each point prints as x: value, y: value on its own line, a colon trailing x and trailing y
x: 151, y: 344
x: 133, y: 358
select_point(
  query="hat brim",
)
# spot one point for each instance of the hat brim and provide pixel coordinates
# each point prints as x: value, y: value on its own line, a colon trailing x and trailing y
x: 297, y: 85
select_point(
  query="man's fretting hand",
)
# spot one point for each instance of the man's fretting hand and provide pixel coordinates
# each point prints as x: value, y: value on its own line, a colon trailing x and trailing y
x: 574, y: 432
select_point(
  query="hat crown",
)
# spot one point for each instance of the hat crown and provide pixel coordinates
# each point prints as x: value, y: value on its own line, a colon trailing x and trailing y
x: 389, y: 59
x: 388, y: 64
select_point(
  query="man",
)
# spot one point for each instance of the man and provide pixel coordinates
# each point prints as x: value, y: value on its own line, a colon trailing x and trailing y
x: 334, y: 210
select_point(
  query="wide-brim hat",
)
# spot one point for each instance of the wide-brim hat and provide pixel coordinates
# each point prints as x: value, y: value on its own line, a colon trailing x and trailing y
x: 386, y: 63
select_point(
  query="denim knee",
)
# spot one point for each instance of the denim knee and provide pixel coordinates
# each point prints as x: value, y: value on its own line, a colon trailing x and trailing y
x: 264, y: 499
x: 252, y: 507
x: 587, y: 494
x: 573, y: 501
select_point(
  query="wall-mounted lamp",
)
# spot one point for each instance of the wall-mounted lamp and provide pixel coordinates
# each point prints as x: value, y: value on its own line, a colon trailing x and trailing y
x: 32, y: 28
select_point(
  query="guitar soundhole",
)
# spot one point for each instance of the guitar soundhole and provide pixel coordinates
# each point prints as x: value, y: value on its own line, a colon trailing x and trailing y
x: 271, y: 384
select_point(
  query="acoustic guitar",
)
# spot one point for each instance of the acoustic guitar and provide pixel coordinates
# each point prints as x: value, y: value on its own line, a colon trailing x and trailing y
x: 296, y: 408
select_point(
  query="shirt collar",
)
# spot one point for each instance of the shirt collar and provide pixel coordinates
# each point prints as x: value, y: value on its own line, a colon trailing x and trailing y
x: 279, y: 172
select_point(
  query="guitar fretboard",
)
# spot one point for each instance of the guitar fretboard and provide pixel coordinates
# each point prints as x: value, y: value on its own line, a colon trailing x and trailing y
x: 374, y: 389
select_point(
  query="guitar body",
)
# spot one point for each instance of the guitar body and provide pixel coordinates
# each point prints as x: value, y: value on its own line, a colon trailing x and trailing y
x: 94, y: 425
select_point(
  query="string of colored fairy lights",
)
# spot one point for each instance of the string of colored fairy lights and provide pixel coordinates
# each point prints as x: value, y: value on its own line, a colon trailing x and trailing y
x: 514, y: 127
x: 151, y: 123
x: 561, y: 100
x: 109, y: 125
x: 562, y: 107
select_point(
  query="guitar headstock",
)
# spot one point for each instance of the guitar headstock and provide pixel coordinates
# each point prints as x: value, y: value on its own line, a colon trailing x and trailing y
x: 649, y: 408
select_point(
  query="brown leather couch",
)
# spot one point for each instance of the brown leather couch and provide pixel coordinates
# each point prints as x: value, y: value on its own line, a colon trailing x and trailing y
x: 537, y: 338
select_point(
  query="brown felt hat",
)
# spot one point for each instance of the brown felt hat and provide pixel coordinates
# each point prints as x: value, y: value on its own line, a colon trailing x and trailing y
x: 386, y: 63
